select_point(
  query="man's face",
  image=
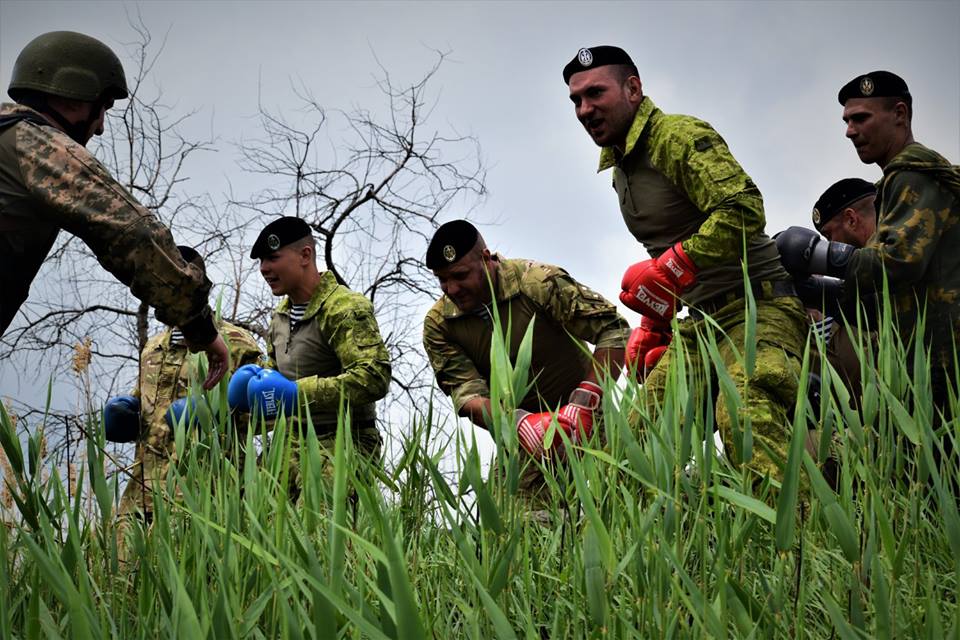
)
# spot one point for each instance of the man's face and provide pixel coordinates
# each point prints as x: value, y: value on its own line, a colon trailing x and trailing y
x: 854, y: 225
x: 96, y: 126
x: 465, y: 281
x: 283, y: 270
x: 872, y: 128
x: 604, y: 105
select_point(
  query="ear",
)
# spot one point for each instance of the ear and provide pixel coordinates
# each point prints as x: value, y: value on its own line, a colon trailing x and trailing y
x: 307, y: 254
x: 901, y: 113
x: 634, y: 89
x: 850, y: 218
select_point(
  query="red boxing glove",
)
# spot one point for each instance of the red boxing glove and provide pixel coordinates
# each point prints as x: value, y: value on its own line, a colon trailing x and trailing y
x: 652, y: 287
x: 576, y: 418
x: 531, y: 428
x: 646, y: 346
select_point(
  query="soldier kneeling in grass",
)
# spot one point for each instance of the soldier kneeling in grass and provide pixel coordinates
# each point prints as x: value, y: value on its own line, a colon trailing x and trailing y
x: 478, y: 286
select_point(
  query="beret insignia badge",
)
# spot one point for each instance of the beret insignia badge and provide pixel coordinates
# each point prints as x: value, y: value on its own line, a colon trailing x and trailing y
x: 866, y: 86
x: 273, y: 241
x: 585, y: 57
x: 816, y: 216
x: 449, y: 253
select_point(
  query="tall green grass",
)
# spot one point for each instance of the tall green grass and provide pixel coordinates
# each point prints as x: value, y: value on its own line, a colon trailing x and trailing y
x: 651, y: 535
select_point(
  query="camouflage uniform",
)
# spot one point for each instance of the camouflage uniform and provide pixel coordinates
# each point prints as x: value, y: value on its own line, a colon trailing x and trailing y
x: 677, y: 181
x: 49, y: 182
x: 568, y: 315
x: 335, y: 350
x: 166, y: 369
x: 915, y: 247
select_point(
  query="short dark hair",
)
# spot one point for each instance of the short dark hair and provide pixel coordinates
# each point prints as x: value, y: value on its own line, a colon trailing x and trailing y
x: 889, y: 103
x: 623, y: 71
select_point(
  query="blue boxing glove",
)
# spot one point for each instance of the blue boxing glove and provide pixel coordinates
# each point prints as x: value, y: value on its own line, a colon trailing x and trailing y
x: 191, y: 406
x: 237, y: 389
x: 270, y: 393
x: 121, y: 419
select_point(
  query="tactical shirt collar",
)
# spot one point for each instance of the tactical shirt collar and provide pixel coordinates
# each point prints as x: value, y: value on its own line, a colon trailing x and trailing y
x: 328, y: 283
x: 609, y: 156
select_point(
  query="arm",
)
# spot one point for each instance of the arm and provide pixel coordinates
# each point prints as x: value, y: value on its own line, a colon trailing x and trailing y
x: 243, y: 348
x: 477, y: 409
x: 353, y: 332
x: 908, y: 233
x: 456, y: 374
x: 589, y: 317
x: 698, y: 161
x: 76, y: 193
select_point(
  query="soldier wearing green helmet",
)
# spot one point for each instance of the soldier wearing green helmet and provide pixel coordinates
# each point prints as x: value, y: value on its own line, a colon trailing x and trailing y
x: 63, y: 83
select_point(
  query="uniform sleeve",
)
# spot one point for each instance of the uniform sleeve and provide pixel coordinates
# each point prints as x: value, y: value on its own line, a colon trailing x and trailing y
x: 77, y: 194
x: 243, y: 348
x: 908, y: 233
x: 583, y: 312
x: 696, y: 159
x: 456, y: 374
x: 354, y: 335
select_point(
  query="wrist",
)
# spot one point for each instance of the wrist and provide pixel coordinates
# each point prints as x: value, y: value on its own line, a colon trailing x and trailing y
x: 200, y: 331
x: 586, y: 395
x: 679, y: 266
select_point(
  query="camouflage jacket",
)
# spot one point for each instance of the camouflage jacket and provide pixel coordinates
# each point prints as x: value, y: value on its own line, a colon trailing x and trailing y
x: 49, y: 182
x: 336, y: 348
x: 916, y: 245
x: 677, y: 181
x: 168, y: 368
x: 567, y: 314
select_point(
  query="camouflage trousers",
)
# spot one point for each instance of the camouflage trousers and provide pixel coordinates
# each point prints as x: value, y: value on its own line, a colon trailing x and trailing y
x: 149, y: 471
x: 366, y: 442
x: 766, y: 397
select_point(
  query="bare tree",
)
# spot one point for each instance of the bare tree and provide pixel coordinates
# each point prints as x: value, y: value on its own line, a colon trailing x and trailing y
x: 373, y: 199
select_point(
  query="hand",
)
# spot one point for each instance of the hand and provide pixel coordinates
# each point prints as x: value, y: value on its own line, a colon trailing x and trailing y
x: 652, y: 287
x: 270, y: 393
x: 646, y: 346
x: 803, y: 251
x: 218, y: 359
x: 121, y: 419
x: 531, y: 429
x: 193, y: 407
x: 237, y: 389
x: 576, y: 417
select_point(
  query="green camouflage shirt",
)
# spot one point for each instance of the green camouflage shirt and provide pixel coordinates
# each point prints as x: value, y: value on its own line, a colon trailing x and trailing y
x: 917, y: 245
x: 49, y: 182
x: 676, y: 180
x: 336, y: 348
x: 166, y: 371
x: 567, y: 314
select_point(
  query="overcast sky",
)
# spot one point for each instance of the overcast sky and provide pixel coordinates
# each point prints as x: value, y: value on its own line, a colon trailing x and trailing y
x: 765, y: 74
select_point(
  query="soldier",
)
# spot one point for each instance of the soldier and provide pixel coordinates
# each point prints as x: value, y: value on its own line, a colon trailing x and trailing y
x: 458, y: 329
x: 914, y: 247
x: 149, y: 413
x: 324, y: 344
x: 685, y: 198
x: 64, y: 83
x: 845, y: 212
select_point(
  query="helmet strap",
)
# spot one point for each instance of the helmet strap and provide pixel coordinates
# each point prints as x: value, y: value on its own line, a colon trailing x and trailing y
x: 77, y: 131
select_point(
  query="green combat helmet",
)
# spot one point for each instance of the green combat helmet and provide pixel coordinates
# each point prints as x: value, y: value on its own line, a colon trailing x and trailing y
x: 69, y: 65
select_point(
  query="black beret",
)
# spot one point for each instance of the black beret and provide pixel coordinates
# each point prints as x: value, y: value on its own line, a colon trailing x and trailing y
x: 593, y: 57
x: 876, y: 84
x: 838, y: 197
x: 279, y: 233
x: 451, y: 242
